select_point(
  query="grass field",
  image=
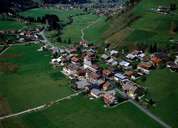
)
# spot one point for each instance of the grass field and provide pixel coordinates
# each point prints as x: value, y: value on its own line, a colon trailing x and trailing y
x: 92, y: 33
x: 155, y: 26
x: 35, y: 81
x: 62, y: 14
x: 163, y: 87
x: 8, y: 25
x: 15, y: 25
x: 79, y: 112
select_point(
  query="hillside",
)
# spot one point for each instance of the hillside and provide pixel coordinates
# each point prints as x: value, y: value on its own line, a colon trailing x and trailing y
x: 142, y: 24
x: 9, y: 5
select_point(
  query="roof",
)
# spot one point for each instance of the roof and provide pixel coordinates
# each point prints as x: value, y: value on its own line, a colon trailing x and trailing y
x: 95, y: 91
x: 106, y: 72
x: 145, y: 65
x: 82, y: 84
x: 75, y: 59
x: 120, y: 76
x: 104, y: 56
x: 124, y: 63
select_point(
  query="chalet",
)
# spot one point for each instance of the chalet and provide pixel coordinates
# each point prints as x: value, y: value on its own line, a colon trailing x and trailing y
x: 71, y: 70
x: 158, y: 58
x: 109, y: 99
x: 73, y: 50
x: 83, y: 43
x: 114, y: 53
x: 106, y: 86
x: 172, y: 65
x: 87, y: 63
x: 176, y: 60
x: 125, y: 65
x: 81, y: 85
x: 95, y: 92
x: 132, y: 75
x: 105, y: 57
x: 119, y: 77
x: 75, y: 60
x: 94, y: 68
x: 144, y: 67
x: 129, y: 88
x: 56, y: 61
x: 92, y: 76
x: 135, y: 55
x: 106, y: 73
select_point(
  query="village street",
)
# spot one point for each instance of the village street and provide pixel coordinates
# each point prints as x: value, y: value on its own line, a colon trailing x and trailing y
x: 146, y: 111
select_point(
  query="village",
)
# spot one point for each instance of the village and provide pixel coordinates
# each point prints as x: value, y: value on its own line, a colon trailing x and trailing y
x: 80, y: 64
x: 84, y: 66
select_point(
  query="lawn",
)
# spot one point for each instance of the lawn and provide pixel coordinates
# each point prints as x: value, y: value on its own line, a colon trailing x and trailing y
x: 79, y: 112
x: 35, y: 81
x: 163, y: 87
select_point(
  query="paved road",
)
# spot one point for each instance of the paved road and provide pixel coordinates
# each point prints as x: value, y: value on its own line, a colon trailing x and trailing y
x: 146, y: 111
x: 41, y: 107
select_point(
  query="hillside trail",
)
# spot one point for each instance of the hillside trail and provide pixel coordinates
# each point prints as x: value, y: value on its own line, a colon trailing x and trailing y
x: 87, y: 27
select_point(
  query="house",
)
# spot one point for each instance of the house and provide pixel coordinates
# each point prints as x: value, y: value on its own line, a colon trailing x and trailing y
x: 87, y: 63
x: 158, y: 58
x: 125, y: 65
x: 106, y: 73
x: 176, y: 60
x: 135, y: 54
x: 56, y: 61
x: 75, y: 60
x: 132, y: 75
x: 73, y: 50
x: 71, y: 70
x: 119, y: 77
x: 105, y: 57
x: 83, y: 43
x: 131, y: 89
x: 92, y: 76
x: 172, y: 65
x: 109, y: 99
x: 82, y: 84
x: 106, y: 86
x: 114, y: 53
x: 95, y: 92
x: 144, y: 67
x: 94, y: 68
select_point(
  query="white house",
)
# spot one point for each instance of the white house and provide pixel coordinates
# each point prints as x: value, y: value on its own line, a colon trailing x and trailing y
x: 125, y: 65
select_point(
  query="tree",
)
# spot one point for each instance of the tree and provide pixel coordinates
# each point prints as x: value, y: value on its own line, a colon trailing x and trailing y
x: 172, y: 6
x: 69, y: 41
